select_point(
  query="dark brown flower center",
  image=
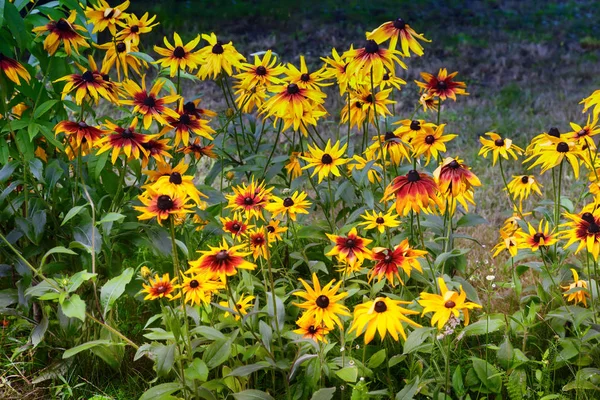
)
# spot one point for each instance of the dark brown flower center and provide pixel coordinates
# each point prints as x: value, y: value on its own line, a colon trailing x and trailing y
x: 538, y: 237
x: 185, y: 119
x: 499, y: 142
x: 179, y: 52
x: 288, y: 202
x: 389, y: 136
x: 127, y: 134
x: 399, y: 23
x: 312, y: 330
x: 413, y: 176
x: 121, y: 47
x: 175, y: 178
x: 386, y: 77
x: 238, y: 306
x: 189, y: 107
x: 562, y: 147
x: 194, y: 284
x: 160, y: 289
x: 449, y: 304
x: 218, y: 48
x: 442, y: 85
x: 305, y: 77
x: 322, y: 301
x: 358, y: 104
x: 261, y: 71
x: 454, y: 164
x: 429, y: 139
x: 369, y: 98
x: 63, y: 25
x: 387, y: 259
x: 350, y: 243
x: 248, y: 201
x: 149, y: 101
x: 326, y: 159
x: 87, y: 76
x: 106, y: 77
x: 380, y: 220
x: 525, y: 179
x: 82, y: 125
x: 164, y: 203
x: 380, y: 307
x: 293, y: 89
x: 554, y: 132
x: 236, y: 227
x: 222, y: 255
x: 415, y: 125
x: 135, y: 29
x: 593, y: 228
x: 270, y: 229
x: 588, y: 217
x: 259, y: 240
x: 371, y: 47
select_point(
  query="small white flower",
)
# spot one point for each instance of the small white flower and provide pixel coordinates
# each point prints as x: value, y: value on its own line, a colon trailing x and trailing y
x: 493, y: 286
x: 342, y: 348
x: 342, y: 387
x: 351, y: 363
x: 357, y: 346
x: 490, y: 277
x: 286, y: 191
x: 362, y: 378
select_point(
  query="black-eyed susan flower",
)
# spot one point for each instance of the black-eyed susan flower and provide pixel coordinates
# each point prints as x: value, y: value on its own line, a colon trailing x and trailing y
x: 89, y: 83
x: 148, y: 104
x: 250, y: 96
x: 325, y: 161
x: 542, y: 140
x: 102, y: 16
x: 257, y: 242
x: 198, y: 289
x: 443, y: 85
x: 192, y: 108
x: 13, y: 70
x: 337, y: 67
x: 293, y: 167
x: 447, y: 303
x: 275, y: 230
x: 394, y: 148
x: 369, y: 105
x: 508, y: 241
x: 63, y: 31
x: 498, y: 146
x: 382, y: 315
x: 427, y: 101
x: 351, y: 248
x: 414, y: 191
x: 157, y: 149
x: 454, y: 177
x: 409, y: 129
x: 310, y: 117
x: 372, y: 59
x: 218, y: 57
x: 379, y: 220
x: 305, y: 78
x: 354, y: 110
x: 390, y: 80
x: 359, y: 163
x: 80, y: 131
x: 119, y: 53
x: 522, y: 186
x: 125, y: 140
x: 221, y: 261
x: 292, y: 103
x: 388, y: 262
x: 198, y: 150
x: 250, y: 199
x: 178, y: 184
x: 161, y: 206
x: 160, y: 287
x: 263, y: 72
x: 236, y: 225
x: 396, y: 30
x: 179, y: 56
x: 310, y: 330
x: 241, y: 306
x: 554, y: 152
x: 184, y: 124
x: 322, y: 305
x: 534, y: 238
x: 132, y: 27
x: 583, y: 229
x: 431, y: 145
x: 289, y: 206
x: 582, y: 133
x: 577, y: 292
x: 592, y: 100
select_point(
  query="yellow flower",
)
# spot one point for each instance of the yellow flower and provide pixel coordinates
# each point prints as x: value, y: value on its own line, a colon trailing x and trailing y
x: 382, y: 315
x: 179, y: 56
x: 396, y: 30
x: 498, y: 147
x: 322, y: 305
x: 63, y: 31
x: 293, y: 104
x: 508, y: 241
x: 13, y: 70
x: 275, y: 230
x: 521, y: 186
x: 552, y: 153
x: 119, y: 53
x: 306, y: 79
x: 134, y: 26
x: 432, y: 144
x: 290, y: 206
x: 241, y: 306
x: 351, y: 248
x: 325, y: 161
x: 148, y: 104
x: 293, y: 167
x: 161, y: 206
x: 257, y: 241
x: 198, y: 289
x: 379, y: 220
x: 221, y: 261
x: 443, y: 85
x: 218, y: 58
x: 102, y: 16
x: 159, y: 287
x: 389, y: 261
x: 372, y: 59
x: 251, y: 199
x: 583, y: 229
x: 577, y: 292
x: 310, y: 330
x: 360, y: 163
x: 338, y: 69
x: 177, y: 184
x: 447, y: 303
x: 533, y: 239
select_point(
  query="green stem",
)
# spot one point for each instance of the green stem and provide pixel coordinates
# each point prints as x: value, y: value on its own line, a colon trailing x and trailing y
x: 273, y: 149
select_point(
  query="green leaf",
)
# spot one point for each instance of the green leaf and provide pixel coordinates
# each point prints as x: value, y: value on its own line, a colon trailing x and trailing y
x: 43, y: 108
x: 348, y: 374
x: 252, y: 394
x: 113, y: 289
x: 197, y: 370
x: 141, y: 56
x: 471, y: 220
x: 484, y: 326
x: 416, y: 338
x: 209, y: 333
x: 37, y: 334
x: 246, y: 370
x: 74, y: 307
x: 16, y: 25
x: 2, y: 3
x: 218, y: 352
x: 76, y: 280
x: 160, y: 391
x: 487, y: 374
x: 111, y: 217
x: 85, y: 346
x: 409, y: 391
x: 458, y: 384
x: 377, y: 359
x: 323, y: 394
x: 72, y: 212
x: 165, y: 359
x: 57, y: 249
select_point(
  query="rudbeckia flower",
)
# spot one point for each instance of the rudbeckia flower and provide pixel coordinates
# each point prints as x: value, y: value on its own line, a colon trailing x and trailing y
x: 379, y: 220
x: 178, y: 184
x: 291, y: 102
x: 389, y: 80
x: 364, y: 104
x: 443, y: 85
x: 552, y: 153
x: 221, y: 261
x: 498, y: 146
x: 257, y: 242
x: 592, y: 100
x: 133, y: 26
x: 322, y: 305
x: 414, y: 191
x: 410, y: 129
x: 389, y: 261
x: 236, y: 225
x: 263, y: 72
x: 218, y: 57
x: 157, y: 149
x: 198, y: 289
x: 119, y: 54
x: 102, y: 16
x: 290, y: 206
x: 338, y: 65
x: 161, y: 206
x: 13, y: 70
x: 198, y: 150
x: 432, y: 144
x: 160, y: 287
x: 80, y: 131
x: 393, y: 147
x: 89, y: 83
x: 148, y: 104
x: 250, y: 96
x: 351, y: 248
x: 124, y: 139
x: 582, y: 133
x: 454, y: 177
x: 275, y: 230
x: 372, y: 59
x: 241, y: 306
x: 534, y: 238
x: 250, y: 199
x: 179, y: 57
x: 310, y: 330
x: 184, y: 124
x: 446, y: 304
x: 521, y: 186
x: 382, y: 315
x: 577, y: 292
x: 325, y: 161
x: 63, y: 31
x: 541, y: 141
x: 306, y: 79
x: 359, y: 163
x: 293, y: 167
x: 583, y: 229
x: 508, y: 241
x: 399, y: 30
